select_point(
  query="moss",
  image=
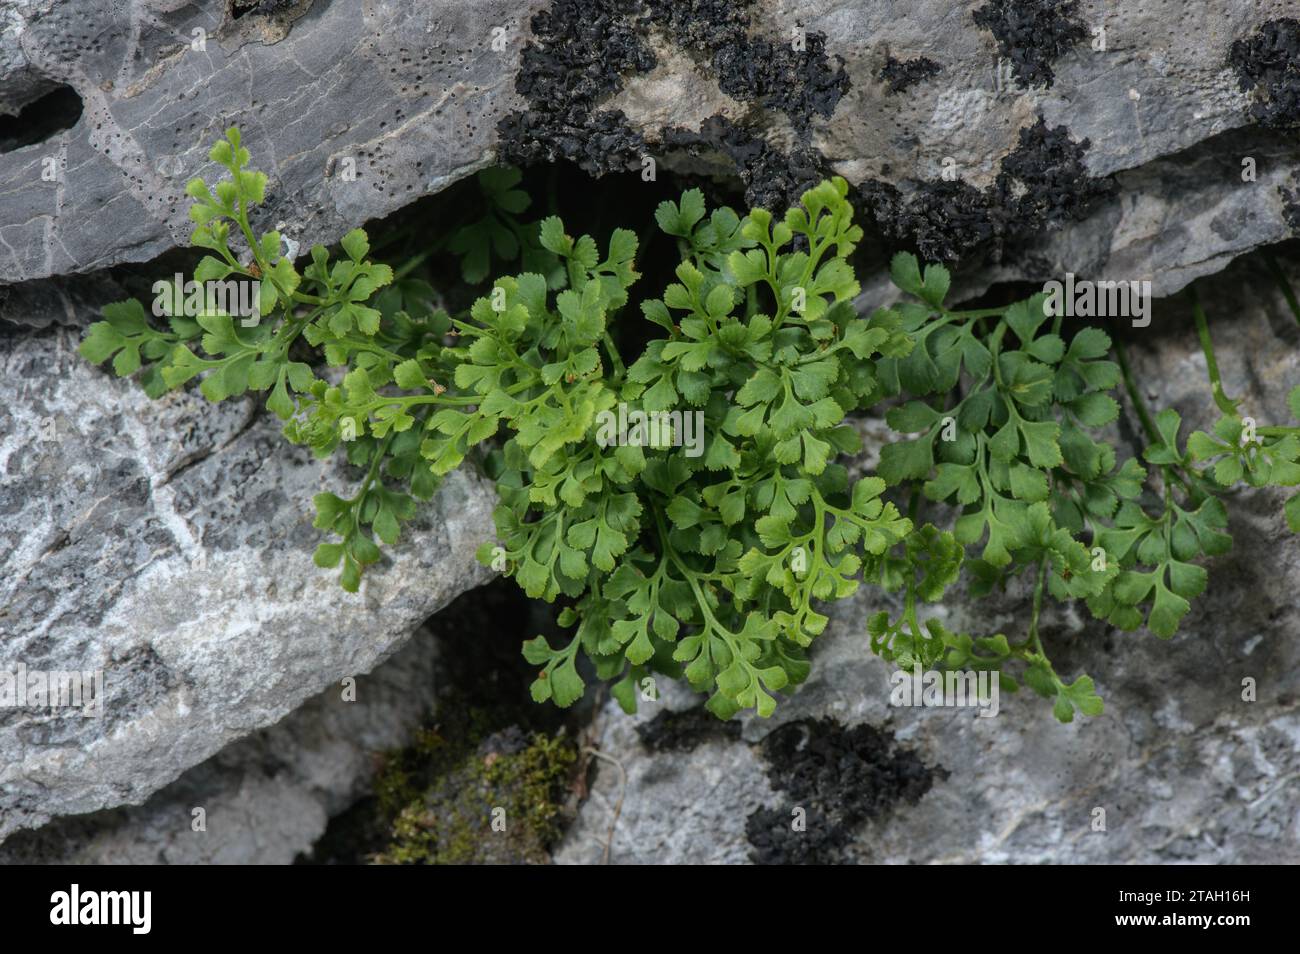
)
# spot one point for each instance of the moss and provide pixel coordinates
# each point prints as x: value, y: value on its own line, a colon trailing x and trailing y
x: 396, y: 784
x: 486, y: 745
x: 451, y: 821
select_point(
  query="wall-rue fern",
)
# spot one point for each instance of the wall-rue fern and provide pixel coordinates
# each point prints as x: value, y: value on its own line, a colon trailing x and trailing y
x: 715, y: 568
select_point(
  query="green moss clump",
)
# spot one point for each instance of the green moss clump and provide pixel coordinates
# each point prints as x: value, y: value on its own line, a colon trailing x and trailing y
x: 500, y: 802
x: 397, y: 782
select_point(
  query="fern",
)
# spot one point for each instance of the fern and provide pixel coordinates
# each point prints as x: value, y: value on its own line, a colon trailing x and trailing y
x: 714, y: 562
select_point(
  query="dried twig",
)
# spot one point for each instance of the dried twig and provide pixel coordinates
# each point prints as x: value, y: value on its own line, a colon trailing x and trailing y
x: 618, y: 805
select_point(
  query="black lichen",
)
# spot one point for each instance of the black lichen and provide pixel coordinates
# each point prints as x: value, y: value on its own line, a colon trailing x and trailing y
x: 900, y: 75
x: 1268, y: 64
x: 1042, y: 183
x: 582, y: 50
x: 240, y: 8
x: 840, y: 777
x: 579, y: 53
x: 597, y: 142
x: 682, y: 731
x: 773, y: 179
x: 1032, y: 34
x: 801, y: 83
x: 1290, y: 207
x: 944, y: 220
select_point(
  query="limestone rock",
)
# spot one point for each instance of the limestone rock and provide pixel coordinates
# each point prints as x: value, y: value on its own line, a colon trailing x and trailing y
x: 1157, y: 111
x: 169, y: 544
x: 404, y: 94
x: 266, y: 798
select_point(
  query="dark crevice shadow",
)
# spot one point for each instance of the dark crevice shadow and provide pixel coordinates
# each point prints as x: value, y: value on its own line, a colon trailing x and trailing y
x: 40, y: 120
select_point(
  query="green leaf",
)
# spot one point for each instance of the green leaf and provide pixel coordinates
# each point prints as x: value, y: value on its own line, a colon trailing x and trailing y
x: 905, y: 272
x: 408, y: 375
x: 717, y: 559
x: 935, y: 286
x: 356, y: 245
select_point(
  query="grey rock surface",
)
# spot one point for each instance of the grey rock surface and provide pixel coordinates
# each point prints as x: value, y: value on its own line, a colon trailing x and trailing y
x: 412, y: 93
x: 266, y: 799
x: 1161, y: 110
x: 406, y: 93
x: 169, y: 544
x: 1175, y: 64
x: 1174, y: 219
x: 1171, y: 221
x: 1185, y: 770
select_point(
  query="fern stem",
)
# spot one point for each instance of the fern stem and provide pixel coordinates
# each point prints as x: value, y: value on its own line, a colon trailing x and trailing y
x: 1135, y: 397
x: 553, y: 190
x: 645, y: 238
x: 913, y: 623
x: 371, y: 474
x: 1226, y: 404
x: 1039, y: 585
x: 414, y: 262
x: 1288, y: 292
x: 977, y: 312
x: 614, y: 358
x: 1148, y: 425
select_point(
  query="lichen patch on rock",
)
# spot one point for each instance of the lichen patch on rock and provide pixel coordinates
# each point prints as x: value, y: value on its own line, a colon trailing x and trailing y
x: 1032, y: 34
x: 832, y: 779
x: 1268, y: 66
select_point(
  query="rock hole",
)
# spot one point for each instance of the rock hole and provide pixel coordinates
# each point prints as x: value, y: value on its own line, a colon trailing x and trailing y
x: 41, y: 119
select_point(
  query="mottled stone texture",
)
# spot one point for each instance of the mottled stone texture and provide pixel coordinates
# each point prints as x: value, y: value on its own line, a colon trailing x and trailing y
x: 418, y: 94
x: 267, y: 798
x: 1160, y: 121
x: 169, y: 544
x: 406, y: 92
